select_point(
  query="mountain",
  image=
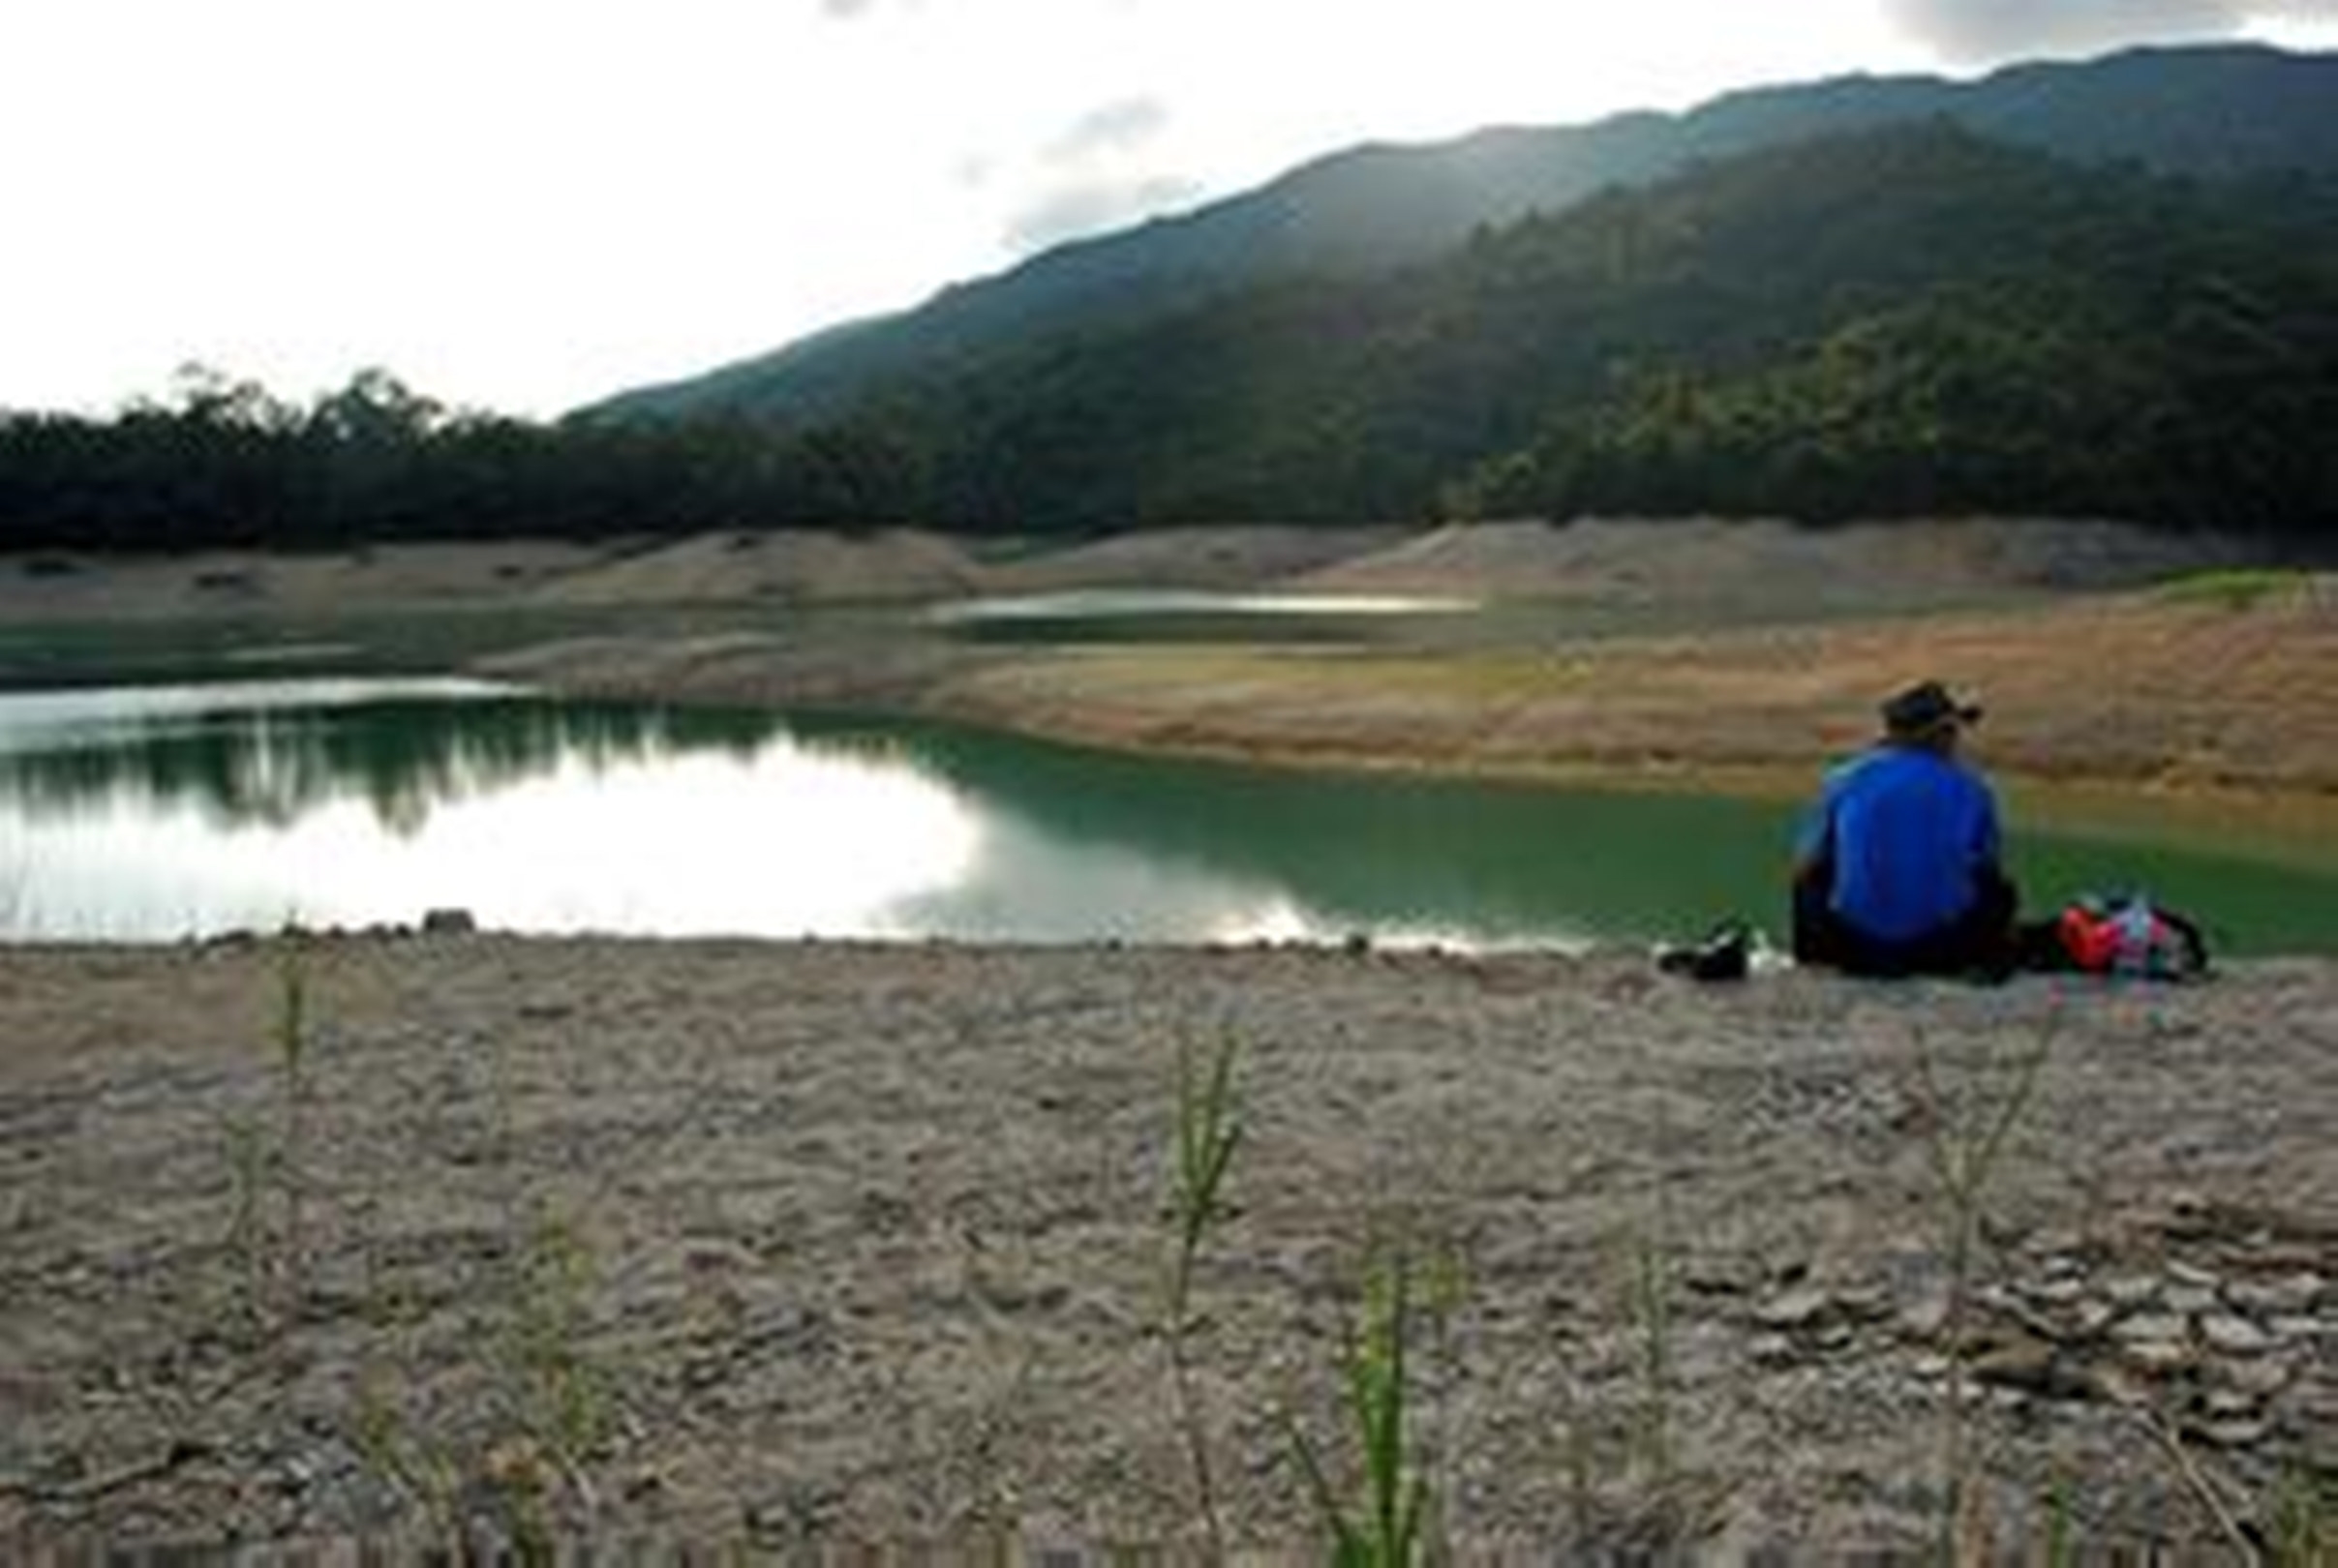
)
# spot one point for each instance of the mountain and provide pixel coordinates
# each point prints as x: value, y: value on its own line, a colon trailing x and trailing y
x: 1908, y: 318
x: 2217, y: 113
x: 1905, y: 320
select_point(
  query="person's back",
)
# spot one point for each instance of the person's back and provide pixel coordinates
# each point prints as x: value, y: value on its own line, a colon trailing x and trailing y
x: 1911, y: 829
x: 1897, y: 865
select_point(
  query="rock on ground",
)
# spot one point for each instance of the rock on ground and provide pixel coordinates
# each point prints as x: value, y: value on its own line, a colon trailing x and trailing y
x: 781, y: 1243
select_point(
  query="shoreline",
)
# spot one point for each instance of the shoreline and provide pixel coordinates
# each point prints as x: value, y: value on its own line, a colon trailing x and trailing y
x: 803, y: 1243
x: 2108, y: 654
x: 1295, y: 718
x: 339, y: 1240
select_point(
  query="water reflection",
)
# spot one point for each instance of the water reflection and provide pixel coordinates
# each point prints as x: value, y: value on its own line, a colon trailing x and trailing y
x: 272, y: 753
x: 154, y: 815
x: 157, y: 815
x: 1107, y: 842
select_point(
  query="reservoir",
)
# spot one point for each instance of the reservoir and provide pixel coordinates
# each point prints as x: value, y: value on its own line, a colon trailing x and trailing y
x: 162, y: 813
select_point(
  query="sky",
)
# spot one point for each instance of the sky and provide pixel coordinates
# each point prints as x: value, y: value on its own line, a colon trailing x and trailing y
x: 527, y: 204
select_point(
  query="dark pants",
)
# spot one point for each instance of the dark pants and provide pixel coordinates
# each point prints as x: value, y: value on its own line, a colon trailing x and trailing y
x: 1981, y: 939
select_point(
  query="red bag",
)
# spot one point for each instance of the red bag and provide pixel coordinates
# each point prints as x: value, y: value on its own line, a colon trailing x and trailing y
x: 2130, y: 936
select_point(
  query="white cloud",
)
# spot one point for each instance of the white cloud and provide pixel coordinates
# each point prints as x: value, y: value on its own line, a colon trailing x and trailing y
x: 1123, y: 125
x: 530, y: 203
x: 1080, y: 208
x: 1105, y: 169
x: 1988, y: 31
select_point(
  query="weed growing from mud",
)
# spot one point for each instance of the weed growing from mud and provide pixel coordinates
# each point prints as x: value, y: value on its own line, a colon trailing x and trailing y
x: 421, y: 1470
x: 1963, y: 1150
x: 1626, y: 1489
x: 551, y: 1404
x: 293, y: 1061
x: 564, y: 1404
x: 1651, y: 1313
x: 2061, y: 1504
x: 1448, y: 1289
x: 1209, y: 1130
x: 1382, y: 1526
x: 247, y: 1222
x: 2304, y: 1518
x: 270, y: 1261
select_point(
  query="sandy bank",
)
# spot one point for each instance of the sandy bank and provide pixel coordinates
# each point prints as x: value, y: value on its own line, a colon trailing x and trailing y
x: 781, y: 1243
x: 2194, y: 714
x: 775, y: 568
x: 2208, y: 701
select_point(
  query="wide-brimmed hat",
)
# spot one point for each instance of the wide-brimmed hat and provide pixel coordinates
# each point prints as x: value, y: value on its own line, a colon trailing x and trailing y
x: 1925, y: 708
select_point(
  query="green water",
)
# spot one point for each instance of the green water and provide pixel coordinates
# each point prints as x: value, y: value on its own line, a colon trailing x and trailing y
x: 158, y: 813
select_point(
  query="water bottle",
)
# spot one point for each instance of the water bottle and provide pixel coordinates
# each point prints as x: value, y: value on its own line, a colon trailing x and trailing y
x: 2131, y: 948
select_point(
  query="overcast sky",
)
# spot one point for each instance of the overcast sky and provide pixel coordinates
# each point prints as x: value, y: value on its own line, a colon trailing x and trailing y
x: 526, y: 204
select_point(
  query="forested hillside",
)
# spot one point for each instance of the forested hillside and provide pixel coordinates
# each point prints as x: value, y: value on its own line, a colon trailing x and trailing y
x: 1907, y: 319
x: 2216, y: 112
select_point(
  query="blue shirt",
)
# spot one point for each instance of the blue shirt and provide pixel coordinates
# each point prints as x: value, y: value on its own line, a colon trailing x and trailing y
x: 1910, y: 830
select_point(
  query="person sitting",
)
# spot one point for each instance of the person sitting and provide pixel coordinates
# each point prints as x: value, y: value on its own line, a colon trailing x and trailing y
x: 1897, y: 865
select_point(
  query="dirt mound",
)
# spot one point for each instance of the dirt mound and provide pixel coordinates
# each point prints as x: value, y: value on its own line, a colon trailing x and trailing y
x: 1745, y: 566
x: 1228, y: 559
x: 2155, y: 690
x: 1757, y: 562
x: 794, y: 565
x: 70, y: 586
x: 894, y: 565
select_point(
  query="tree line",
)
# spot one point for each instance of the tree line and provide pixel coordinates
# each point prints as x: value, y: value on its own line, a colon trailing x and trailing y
x: 1909, y: 320
x: 223, y: 462
x: 1905, y: 321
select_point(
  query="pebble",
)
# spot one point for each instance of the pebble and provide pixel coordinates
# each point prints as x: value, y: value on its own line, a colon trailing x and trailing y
x: 2024, y: 1363
x: 2229, y: 1405
x: 1713, y: 1280
x: 1925, y: 1317
x: 2157, y: 1355
x: 2236, y: 1335
x: 1866, y: 1303
x: 2132, y: 1290
x: 2260, y: 1377
x: 2295, y: 1294
x: 2304, y: 1329
x: 2149, y: 1327
x: 1794, y: 1309
x: 1772, y: 1350
x: 718, y: 1254
x: 2189, y: 1300
x: 2234, y: 1434
x: 2059, y: 1293
x: 2091, y: 1318
x: 2190, y: 1274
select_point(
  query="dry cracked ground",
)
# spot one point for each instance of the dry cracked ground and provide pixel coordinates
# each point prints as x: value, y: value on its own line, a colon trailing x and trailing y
x: 384, y: 1238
